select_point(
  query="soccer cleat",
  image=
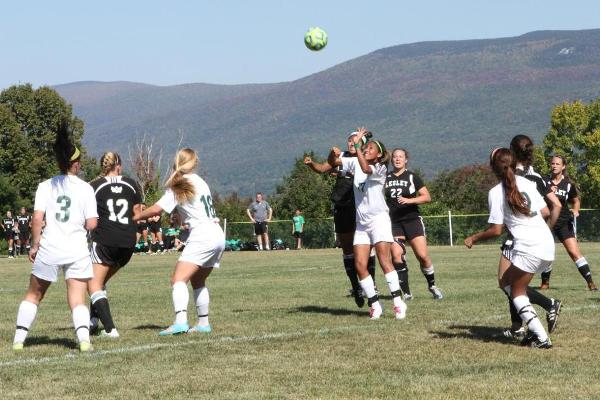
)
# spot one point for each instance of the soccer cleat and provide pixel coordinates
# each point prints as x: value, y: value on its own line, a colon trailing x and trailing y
x: 552, y: 315
x: 85, y: 347
x: 592, y: 286
x: 544, y: 286
x: 175, y: 329
x: 17, y: 346
x: 200, y: 329
x: 437, y: 293
x: 518, y: 334
x: 400, y: 311
x: 531, y: 340
x: 375, y: 311
x: 358, y: 297
x: 407, y: 296
x: 112, y: 334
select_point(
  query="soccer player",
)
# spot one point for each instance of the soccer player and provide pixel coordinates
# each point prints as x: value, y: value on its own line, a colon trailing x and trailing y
x: 566, y: 191
x: 24, y: 225
x: 516, y: 203
x: 404, y: 191
x: 8, y: 225
x: 70, y: 209
x: 298, y: 228
x: 373, y: 226
x: 344, y: 215
x: 141, y: 238
x: 190, y: 195
x: 113, y: 241
x: 260, y: 213
x: 156, y: 237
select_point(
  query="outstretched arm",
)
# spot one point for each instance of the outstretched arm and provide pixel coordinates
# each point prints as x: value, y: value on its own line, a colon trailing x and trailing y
x: 320, y: 168
x: 148, y: 212
x: 492, y: 231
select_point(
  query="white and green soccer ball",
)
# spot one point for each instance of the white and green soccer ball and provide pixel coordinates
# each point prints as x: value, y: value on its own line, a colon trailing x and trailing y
x: 315, y: 39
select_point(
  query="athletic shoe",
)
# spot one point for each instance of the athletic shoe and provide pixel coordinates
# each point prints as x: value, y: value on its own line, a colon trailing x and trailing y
x: 375, y: 311
x: 518, y: 334
x: 592, y: 286
x: 437, y: 293
x: 17, y: 346
x: 112, y: 334
x: 175, y: 329
x: 400, y: 311
x: 200, y: 329
x: 552, y: 315
x: 358, y: 297
x: 85, y: 347
x: 531, y: 340
x: 407, y: 296
x: 544, y: 286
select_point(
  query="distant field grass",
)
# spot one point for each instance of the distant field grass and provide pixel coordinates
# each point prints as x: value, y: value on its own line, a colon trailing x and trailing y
x: 283, y: 327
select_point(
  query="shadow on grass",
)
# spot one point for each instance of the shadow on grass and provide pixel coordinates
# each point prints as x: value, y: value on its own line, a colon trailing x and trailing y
x: 149, y: 326
x: 327, y: 310
x: 475, y: 332
x: 44, y: 340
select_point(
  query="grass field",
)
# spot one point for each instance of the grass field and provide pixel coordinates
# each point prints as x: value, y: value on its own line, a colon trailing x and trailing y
x: 284, y: 328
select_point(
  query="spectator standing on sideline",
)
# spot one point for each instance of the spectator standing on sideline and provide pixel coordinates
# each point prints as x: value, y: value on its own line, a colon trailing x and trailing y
x: 298, y: 228
x: 260, y: 213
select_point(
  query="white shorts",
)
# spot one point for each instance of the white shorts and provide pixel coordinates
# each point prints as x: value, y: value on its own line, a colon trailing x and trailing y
x: 379, y: 229
x: 205, y: 251
x: 528, y: 263
x: 80, y: 269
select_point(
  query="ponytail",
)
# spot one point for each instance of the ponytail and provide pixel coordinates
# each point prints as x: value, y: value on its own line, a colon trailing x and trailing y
x: 522, y: 149
x: 501, y: 162
x: 66, y: 153
x: 186, y: 161
x: 108, y: 162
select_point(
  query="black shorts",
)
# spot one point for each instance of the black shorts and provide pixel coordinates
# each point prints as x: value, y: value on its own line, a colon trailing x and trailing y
x: 344, y: 219
x: 410, y: 229
x: 154, y: 227
x: 11, y: 235
x: 24, y: 235
x: 260, y: 228
x: 564, y: 231
x: 297, y: 234
x: 115, y: 257
x: 141, y: 228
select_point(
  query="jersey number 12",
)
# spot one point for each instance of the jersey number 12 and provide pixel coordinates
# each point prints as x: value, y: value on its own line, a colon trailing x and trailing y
x: 123, y: 204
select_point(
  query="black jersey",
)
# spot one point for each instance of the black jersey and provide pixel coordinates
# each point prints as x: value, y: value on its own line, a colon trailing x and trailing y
x: 536, y: 178
x: 115, y: 197
x: 407, y: 184
x: 565, y: 190
x: 23, y: 221
x: 342, y: 194
x: 9, y: 224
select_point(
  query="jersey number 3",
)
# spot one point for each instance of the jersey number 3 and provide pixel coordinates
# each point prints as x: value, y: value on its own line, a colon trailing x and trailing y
x: 64, y: 213
x: 120, y: 217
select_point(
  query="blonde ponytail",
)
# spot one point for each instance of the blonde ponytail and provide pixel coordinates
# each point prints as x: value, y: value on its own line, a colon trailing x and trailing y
x: 108, y: 162
x: 186, y: 161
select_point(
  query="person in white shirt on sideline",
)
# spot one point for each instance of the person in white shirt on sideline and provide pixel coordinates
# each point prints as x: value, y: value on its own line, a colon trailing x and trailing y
x: 190, y: 195
x: 69, y: 206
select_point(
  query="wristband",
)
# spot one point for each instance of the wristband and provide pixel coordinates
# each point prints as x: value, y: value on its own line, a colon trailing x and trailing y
x: 356, y: 146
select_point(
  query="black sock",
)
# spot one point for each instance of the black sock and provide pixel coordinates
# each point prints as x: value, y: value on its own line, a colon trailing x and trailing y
x: 351, y: 272
x: 154, y: 247
x: 584, y: 270
x: 546, y: 277
x: 429, y: 277
x: 402, y: 271
x: 515, y: 318
x: 103, y: 310
x: 371, y: 267
x: 536, y: 297
x: 10, y: 252
x: 161, y: 246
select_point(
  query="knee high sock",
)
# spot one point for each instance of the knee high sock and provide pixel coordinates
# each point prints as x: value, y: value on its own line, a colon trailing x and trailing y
x: 536, y: 297
x: 181, y: 298
x: 371, y: 266
x: 81, y: 322
x: 351, y: 271
x: 515, y: 318
x: 529, y: 317
x: 101, y: 308
x: 402, y: 271
x: 202, y: 300
x: 546, y: 275
x: 25, y: 318
x: 429, y: 274
x: 368, y: 286
x: 394, y: 284
x: 584, y: 269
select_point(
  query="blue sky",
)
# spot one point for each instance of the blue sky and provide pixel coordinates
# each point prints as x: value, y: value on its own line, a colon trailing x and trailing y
x: 225, y: 41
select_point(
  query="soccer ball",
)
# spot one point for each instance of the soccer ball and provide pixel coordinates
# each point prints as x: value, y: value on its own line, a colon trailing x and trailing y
x: 315, y: 39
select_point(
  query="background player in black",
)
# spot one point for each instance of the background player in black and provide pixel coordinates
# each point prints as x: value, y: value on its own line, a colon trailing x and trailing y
x: 156, y: 237
x: 24, y: 223
x: 522, y: 148
x: 9, y: 225
x: 344, y: 218
x: 142, y: 234
x: 566, y: 191
x: 118, y: 199
x: 404, y: 191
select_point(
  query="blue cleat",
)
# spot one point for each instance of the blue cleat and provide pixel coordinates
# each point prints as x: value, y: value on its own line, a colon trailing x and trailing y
x: 175, y: 329
x: 200, y: 329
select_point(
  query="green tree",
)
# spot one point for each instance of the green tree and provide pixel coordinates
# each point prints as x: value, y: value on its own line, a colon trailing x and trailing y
x: 233, y: 207
x: 575, y: 134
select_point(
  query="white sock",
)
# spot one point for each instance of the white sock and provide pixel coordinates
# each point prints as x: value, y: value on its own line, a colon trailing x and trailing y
x: 394, y: 284
x: 181, y: 298
x: 25, y: 318
x: 428, y: 271
x: 368, y: 287
x: 202, y: 300
x: 529, y: 316
x: 81, y: 322
x: 581, y: 262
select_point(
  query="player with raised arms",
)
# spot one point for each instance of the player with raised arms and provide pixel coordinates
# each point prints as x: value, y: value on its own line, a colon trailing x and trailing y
x: 190, y: 195
x: 373, y: 226
x: 69, y: 205
x: 113, y: 241
x: 516, y: 203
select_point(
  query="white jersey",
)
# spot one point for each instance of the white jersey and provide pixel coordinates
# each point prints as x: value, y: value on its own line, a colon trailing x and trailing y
x: 196, y: 213
x: 368, y: 189
x: 531, y: 234
x: 67, y: 202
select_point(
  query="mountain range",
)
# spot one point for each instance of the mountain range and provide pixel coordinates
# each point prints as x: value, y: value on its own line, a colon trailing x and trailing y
x: 447, y: 102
